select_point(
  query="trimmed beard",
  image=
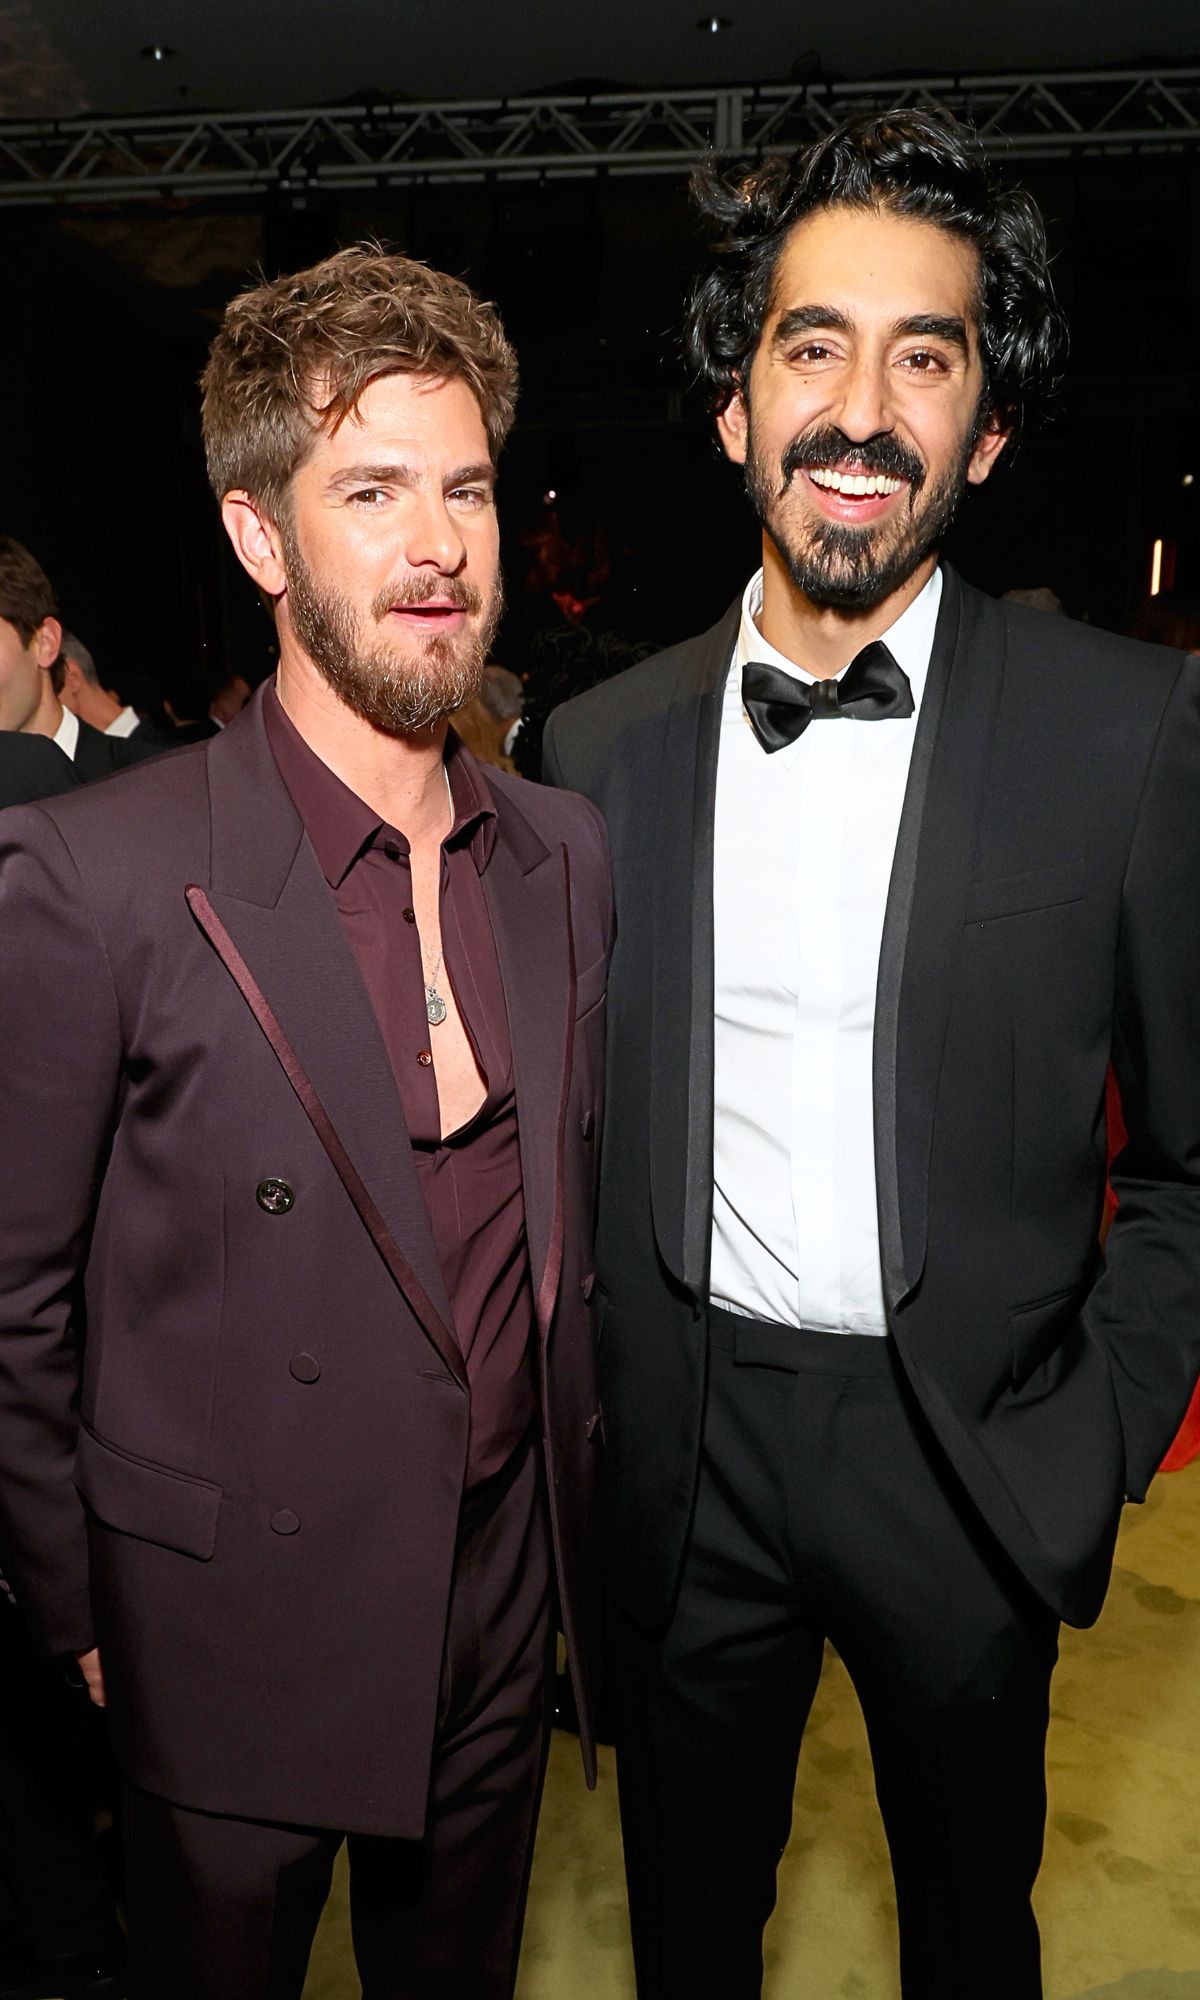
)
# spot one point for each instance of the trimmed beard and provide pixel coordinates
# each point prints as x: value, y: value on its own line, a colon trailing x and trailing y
x: 840, y: 567
x: 403, y: 694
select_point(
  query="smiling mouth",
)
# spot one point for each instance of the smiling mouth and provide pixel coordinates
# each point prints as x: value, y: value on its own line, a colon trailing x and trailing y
x: 855, y: 485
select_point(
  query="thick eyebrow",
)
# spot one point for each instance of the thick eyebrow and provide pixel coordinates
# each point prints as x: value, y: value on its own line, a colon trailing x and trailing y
x: 482, y: 474
x: 394, y: 472
x: 828, y: 319
x: 810, y: 319
x: 935, y: 326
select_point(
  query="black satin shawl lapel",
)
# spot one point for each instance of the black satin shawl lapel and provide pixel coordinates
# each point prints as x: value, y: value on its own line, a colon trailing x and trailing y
x: 923, y: 924
x: 681, y: 1109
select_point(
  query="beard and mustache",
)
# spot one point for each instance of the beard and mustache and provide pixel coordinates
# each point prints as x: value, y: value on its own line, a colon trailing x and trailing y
x: 836, y: 565
x: 401, y: 693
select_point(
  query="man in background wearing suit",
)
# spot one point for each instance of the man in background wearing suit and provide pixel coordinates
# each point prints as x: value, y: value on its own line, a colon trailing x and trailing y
x: 32, y: 672
x: 31, y: 767
x: 864, y: 1375
x: 301, y: 1034
x: 85, y: 694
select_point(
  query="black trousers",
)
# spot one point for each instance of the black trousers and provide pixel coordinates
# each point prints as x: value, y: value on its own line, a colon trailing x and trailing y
x: 825, y: 1510
x: 226, y: 1909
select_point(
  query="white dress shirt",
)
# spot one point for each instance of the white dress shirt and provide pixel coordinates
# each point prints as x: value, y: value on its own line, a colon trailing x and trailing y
x: 804, y: 844
x: 67, y: 734
x: 125, y: 723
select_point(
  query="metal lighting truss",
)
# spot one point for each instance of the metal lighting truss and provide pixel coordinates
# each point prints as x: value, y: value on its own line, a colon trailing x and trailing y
x: 555, y: 137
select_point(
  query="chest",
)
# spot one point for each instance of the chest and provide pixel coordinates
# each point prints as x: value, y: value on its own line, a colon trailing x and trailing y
x: 803, y: 846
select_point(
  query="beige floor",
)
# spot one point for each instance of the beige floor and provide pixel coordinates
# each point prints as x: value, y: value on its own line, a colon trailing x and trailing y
x: 1119, y: 1898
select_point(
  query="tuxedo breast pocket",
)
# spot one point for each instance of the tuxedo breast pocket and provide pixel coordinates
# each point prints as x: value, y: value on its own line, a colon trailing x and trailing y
x: 1021, y: 895
x: 590, y: 985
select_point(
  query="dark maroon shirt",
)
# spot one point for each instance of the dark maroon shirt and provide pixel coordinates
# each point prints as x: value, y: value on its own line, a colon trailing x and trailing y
x: 471, y: 1179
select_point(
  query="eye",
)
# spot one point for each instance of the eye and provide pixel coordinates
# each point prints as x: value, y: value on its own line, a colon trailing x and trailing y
x: 811, y: 354
x: 471, y: 497
x: 923, y: 361
x: 368, y: 496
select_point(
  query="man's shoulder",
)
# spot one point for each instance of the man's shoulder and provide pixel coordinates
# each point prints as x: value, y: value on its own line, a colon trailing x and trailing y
x: 1113, y: 666
x: 559, y: 818
x: 591, y: 723
x: 131, y: 813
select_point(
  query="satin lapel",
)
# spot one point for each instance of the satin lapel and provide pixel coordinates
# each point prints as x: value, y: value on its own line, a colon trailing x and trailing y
x: 681, y: 1109
x: 527, y: 886
x: 269, y: 893
x: 923, y: 925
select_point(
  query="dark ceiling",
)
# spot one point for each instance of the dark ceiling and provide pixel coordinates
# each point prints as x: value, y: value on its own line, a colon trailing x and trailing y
x: 59, y: 57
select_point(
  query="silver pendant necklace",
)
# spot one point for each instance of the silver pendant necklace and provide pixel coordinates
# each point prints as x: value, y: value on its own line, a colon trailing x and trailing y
x: 435, y: 1006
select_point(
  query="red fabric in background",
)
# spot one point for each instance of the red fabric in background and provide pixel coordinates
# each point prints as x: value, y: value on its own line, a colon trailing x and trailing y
x: 1187, y: 1445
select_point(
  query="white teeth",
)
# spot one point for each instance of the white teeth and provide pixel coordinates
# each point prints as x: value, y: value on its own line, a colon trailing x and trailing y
x: 854, y: 482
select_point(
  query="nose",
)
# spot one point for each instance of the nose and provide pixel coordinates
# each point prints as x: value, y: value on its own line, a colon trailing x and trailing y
x: 865, y: 409
x: 433, y: 539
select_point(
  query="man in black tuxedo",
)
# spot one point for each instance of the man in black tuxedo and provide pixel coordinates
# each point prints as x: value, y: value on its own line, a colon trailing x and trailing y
x: 32, y: 672
x: 32, y: 768
x: 865, y: 1375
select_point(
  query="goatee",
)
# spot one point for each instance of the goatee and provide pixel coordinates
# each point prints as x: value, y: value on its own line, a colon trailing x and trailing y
x: 841, y: 567
x: 402, y: 693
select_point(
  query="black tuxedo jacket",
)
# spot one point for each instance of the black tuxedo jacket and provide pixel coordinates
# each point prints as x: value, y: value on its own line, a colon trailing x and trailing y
x: 1043, y: 917
x: 98, y: 755
x: 233, y: 1432
x: 32, y: 767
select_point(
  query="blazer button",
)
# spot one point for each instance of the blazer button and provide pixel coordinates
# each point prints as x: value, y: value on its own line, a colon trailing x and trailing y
x: 305, y: 1367
x: 285, y: 1522
x: 587, y: 1124
x: 588, y: 1285
x: 274, y: 1196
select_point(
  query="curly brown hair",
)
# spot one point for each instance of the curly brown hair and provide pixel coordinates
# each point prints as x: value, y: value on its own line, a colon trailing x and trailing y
x: 293, y: 358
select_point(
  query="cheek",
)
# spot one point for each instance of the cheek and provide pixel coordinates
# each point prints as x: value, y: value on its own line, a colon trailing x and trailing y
x: 482, y: 541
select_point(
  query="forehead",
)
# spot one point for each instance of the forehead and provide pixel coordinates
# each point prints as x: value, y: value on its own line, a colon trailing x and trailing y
x: 418, y: 416
x: 872, y: 264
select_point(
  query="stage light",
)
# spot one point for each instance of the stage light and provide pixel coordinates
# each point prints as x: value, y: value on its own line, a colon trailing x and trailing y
x: 1189, y: 479
x: 713, y: 24
x: 1156, y: 569
x: 550, y: 496
x: 157, y: 52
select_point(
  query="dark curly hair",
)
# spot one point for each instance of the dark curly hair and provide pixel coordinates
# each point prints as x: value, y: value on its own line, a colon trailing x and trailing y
x: 916, y: 164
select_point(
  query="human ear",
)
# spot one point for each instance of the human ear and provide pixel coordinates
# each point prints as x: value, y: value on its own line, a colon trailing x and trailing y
x: 733, y: 427
x: 47, y: 642
x: 256, y: 540
x: 988, y: 447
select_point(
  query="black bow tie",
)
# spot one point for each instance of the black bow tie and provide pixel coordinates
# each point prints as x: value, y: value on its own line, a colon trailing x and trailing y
x: 873, y: 687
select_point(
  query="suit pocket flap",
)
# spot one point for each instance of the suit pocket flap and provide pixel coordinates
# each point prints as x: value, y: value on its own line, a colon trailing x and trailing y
x: 590, y: 985
x: 1037, y: 1331
x: 149, y: 1501
x: 1037, y: 889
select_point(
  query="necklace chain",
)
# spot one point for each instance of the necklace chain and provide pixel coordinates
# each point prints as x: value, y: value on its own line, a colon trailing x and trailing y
x: 435, y: 1005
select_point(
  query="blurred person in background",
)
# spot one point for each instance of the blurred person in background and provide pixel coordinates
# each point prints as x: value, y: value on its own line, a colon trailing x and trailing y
x: 502, y: 695
x: 1038, y: 596
x: 33, y: 670
x: 488, y: 722
x: 865, y: 1376
x: 87, y: 697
